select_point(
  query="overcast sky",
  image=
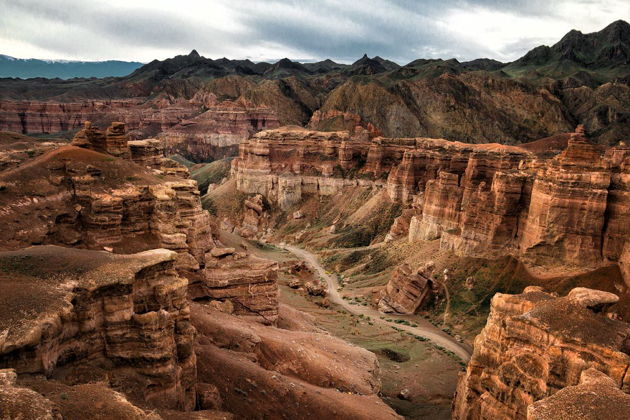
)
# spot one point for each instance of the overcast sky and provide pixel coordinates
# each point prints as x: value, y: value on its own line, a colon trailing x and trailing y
x: 401, y: 30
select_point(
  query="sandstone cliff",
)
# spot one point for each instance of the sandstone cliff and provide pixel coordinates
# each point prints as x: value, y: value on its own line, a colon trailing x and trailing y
x: 125, y: 316
x: 34, y: 117
x: 217, y: 132
x: 124, y: 196
x: 484, y: 201
x: 534, y: 345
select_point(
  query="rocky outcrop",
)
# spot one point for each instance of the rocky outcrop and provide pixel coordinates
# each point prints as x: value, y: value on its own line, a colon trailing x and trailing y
x: 124, y: 314
x: 407, y: 290
x: 130, y: 201
x: 533, y: 346
x: 94, y: 201
x: 245, y: 282
x: 597, y: 396
x: 20, y: 402
x: 113, y: 141
x: 254, y: 217
x: 334, y: 120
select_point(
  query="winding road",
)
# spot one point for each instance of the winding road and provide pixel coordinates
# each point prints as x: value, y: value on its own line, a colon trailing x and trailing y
x: 424, y: 328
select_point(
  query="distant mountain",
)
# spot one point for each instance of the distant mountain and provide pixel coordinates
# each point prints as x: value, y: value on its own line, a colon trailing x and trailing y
x: 367, y: 66
x: 325, y: 66
x: 29, y: 68
x: 595, y: 57
x: 195, y: 65
x: 285, y: 68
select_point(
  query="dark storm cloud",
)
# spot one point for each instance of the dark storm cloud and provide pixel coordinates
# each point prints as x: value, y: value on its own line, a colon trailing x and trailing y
x: 401, y: 30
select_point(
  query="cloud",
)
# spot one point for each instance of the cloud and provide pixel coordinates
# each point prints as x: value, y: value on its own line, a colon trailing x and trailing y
x: 402, y: 30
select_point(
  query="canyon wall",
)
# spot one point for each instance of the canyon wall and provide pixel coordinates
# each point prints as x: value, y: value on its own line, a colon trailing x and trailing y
x: 217, y: 132
x: 48, y: 117
x: 201, y: 129
x: 126, y: 314
x: 485, y: 201
x: 106, y: 192
x: 536, y: 344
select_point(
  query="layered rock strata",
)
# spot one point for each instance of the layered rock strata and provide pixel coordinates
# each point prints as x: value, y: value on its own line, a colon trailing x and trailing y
x: 247, y: 283
x: 76, y: 196
x: 124, y: 314
x: 116, y: 141
x: 35, y: 117
x: 217, y: 132
x: 406, y: 290
x: 82, y: 198
x: 285, y: 164
x: 335, y: 120
x: 479, y: 200
x: 113, y: 141
x: 534, y: 345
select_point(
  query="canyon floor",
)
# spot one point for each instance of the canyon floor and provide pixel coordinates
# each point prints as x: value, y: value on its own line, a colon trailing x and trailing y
x: 419, y: 362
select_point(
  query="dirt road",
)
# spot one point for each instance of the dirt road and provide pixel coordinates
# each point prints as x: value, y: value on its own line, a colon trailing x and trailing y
x: 424, y: 328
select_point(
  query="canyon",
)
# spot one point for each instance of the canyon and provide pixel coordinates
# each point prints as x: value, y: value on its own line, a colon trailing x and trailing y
x: 224, y: 239
x: 553, y: 214
x: 113, y: 277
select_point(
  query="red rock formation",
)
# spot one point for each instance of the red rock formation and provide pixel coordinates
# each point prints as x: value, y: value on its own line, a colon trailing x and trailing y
x: 95, y: 201
x: 33, y: 117
x: 334, y: 120
x: 124, y: 315
x: 406, y: 290
x: 534, y: 345
x: 253, y: 218
x: 479, y: 200
x: 616, y: 246
x: 247, y: 282
x: 113, y: 141
x: 283, y: 164
x: 217, y: 132
x: 567, y: 206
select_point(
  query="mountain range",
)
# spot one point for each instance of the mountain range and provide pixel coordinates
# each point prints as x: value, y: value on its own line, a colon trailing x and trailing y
x: 62, y: 69
x: 582, y: 79
x: 601, y: 55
